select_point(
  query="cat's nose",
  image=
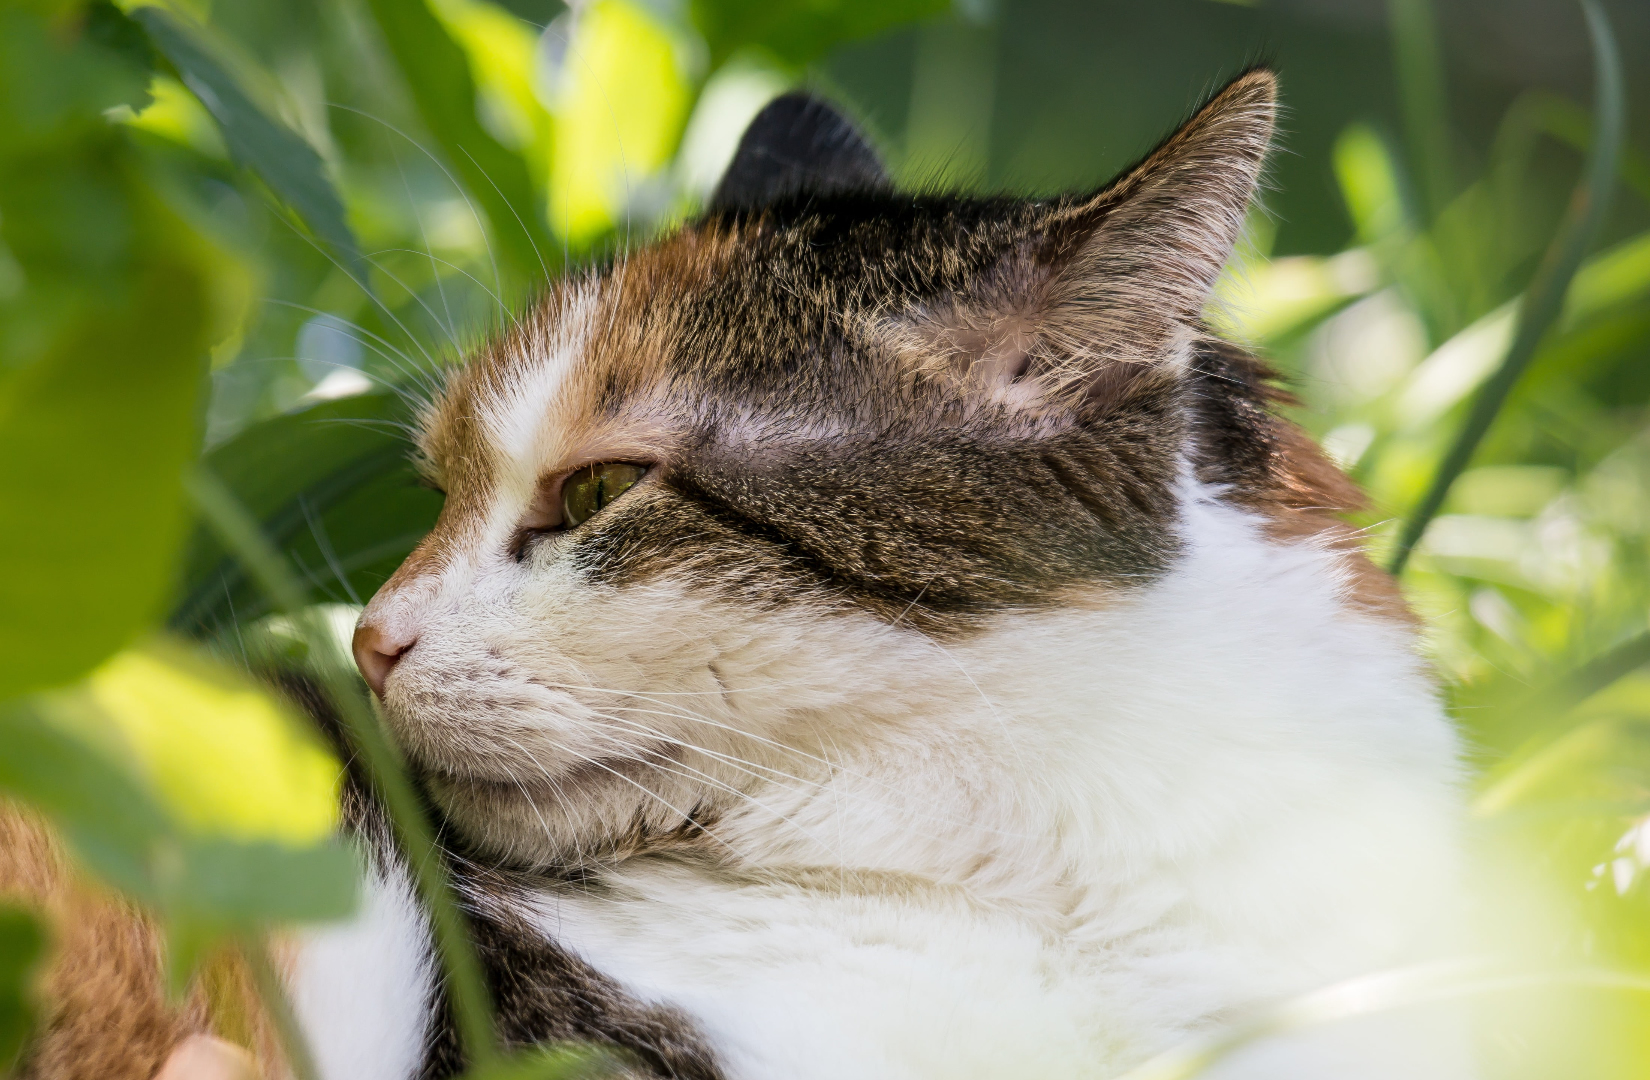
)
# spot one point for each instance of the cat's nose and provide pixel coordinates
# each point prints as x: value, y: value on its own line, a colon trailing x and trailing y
x: 376, y: 652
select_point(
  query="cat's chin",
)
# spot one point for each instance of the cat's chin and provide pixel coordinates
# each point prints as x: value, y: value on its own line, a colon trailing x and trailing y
x: 596, y: 813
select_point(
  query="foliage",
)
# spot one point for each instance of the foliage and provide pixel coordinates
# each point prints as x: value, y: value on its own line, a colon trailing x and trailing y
x: 392, y: 177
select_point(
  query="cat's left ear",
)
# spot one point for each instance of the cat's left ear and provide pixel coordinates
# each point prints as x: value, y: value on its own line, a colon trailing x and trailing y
x: 1109, y: 288
x: 797, y: 145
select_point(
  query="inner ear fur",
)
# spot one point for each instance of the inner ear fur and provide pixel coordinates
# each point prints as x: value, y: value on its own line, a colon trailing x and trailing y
x: 1109, y: 288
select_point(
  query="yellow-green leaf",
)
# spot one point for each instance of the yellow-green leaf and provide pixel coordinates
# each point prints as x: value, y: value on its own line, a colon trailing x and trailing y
x: 224, y: 756
x: 621, y: 103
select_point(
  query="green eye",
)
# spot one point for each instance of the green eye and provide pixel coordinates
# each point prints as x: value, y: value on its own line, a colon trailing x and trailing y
x: 587, y: 492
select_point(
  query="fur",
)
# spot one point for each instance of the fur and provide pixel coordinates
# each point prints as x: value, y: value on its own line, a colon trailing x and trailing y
x: 979, y: 682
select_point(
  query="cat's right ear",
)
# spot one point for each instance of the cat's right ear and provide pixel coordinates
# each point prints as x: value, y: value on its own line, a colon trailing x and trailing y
x: 797, y: 145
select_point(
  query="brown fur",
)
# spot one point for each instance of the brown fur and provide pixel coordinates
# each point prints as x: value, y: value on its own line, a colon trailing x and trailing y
x: 104, y: 1013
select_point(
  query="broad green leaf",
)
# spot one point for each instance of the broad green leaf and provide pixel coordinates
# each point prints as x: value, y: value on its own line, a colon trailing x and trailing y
x: 251, y: 884
x: 178, y: 115
x: 280, y: 157
x: 223, y: 757
x: 797, y: 31
x: 437, y: 76
x: 58, y: 75
x: 503, y: 55
x: 333, y: 488
x: 208, y: 885
x: 618, y: 115
x: 97, y: 421
x: 21, y: 946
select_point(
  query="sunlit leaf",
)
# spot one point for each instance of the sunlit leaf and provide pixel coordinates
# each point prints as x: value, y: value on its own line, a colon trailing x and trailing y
x: 97, y: 426
x: 622, y: 100
x: 109, y: 821
x: 280, y: 157
x: 178, y: 115
x: 223, y: 756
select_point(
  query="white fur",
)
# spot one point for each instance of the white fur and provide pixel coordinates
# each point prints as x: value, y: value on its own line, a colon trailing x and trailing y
x: 1053, y: 850
x: 1110, y: 828
x: 361, y: 990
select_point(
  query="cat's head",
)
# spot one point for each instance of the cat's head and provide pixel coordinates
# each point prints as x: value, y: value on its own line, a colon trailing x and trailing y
x: 710, y: 509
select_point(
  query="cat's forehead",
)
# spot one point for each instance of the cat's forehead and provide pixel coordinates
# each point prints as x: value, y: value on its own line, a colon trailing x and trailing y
x: 747, y: 315
x: 598, y: 366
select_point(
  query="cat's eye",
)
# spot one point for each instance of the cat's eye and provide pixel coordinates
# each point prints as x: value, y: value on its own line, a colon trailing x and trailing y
x: 587, y: 492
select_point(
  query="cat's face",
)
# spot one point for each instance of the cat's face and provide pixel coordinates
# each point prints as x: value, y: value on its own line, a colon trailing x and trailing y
x: 708, y: 509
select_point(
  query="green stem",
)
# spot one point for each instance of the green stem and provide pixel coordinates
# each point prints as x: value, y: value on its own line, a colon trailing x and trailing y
x: 1544, y: 299
x: 466, y: 987
x: 300, y: 1062
x: 1420, y: 72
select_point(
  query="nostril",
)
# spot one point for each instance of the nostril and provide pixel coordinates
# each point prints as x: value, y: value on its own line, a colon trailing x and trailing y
x: 376, y: 653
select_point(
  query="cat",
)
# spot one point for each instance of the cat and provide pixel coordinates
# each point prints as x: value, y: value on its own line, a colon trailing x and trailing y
x: 888, y: 634
x: 885, y: 634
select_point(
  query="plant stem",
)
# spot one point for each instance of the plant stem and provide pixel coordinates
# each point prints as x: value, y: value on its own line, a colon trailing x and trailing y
x: 300, y: 1062
x: 466, y: 986
x: 1420, y: 72
x: 1544, y: 299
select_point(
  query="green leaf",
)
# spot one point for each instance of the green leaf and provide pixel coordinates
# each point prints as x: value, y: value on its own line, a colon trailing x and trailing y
x: 284, y: 161
x: 221, y: 754
x: 111, y: 823
x: 332, y: 487
x: 21, y: 946
x: 245, y: 884
x: 123, y: 835
x: 568, y: 1061
x: 57, y: 77
x: 437, y: 75
x: 97, y: 421
x: 797, y: 31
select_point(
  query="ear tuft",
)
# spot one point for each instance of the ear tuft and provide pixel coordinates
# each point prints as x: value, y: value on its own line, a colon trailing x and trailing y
x: 1107, y: 296
x: 797, y: 145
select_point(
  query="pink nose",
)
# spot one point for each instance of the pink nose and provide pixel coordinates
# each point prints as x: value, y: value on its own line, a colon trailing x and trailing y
x: 377, y: 652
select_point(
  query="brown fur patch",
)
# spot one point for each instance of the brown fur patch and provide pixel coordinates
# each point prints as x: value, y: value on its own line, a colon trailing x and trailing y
x: 1307, y: 501
x: 104, y: 1012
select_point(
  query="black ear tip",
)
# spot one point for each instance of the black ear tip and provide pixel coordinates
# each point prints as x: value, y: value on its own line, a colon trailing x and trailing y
x: 797, y: 143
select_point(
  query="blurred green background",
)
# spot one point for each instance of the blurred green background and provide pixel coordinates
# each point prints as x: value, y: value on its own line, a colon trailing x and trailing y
x: 249, y: 233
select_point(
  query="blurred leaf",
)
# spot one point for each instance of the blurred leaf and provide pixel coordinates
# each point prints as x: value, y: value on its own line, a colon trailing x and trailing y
x: 223, y: 756
x: 55, y: 77
x: 619, y: 113
x: 21, y: 947
x: 797, y: 31
x: 177, y: 114
x: 1543, y: 301
x: 284, y: 161
x: 97, y: 423
x: 107, y: 818
x: 503, y: 55
x: 246, y: 884
x: 569, y: 1062
x: 103, y: 343
x: 437, y: 75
